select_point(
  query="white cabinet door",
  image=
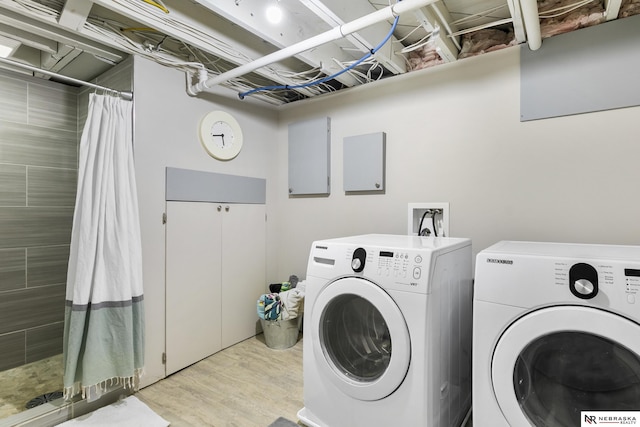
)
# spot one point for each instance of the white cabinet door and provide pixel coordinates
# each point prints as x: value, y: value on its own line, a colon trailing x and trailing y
x: 193, y: 317
x: 243, y: 269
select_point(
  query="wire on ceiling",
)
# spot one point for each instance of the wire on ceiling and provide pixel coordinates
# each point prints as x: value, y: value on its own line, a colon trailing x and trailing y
x: 157, y: 4
x: 562, y: 10
x: 332, y: 76
x: 428, y: 39
x: 477, y: 16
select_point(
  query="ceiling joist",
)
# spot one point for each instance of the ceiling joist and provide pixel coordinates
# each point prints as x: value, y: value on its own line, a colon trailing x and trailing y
x: 612, y: 9
x: 29, y: 39
x: 518, y: 23
x: 75, y: 13
x: 47, y: 27
x: 444, y: 45
x: 338, y: 12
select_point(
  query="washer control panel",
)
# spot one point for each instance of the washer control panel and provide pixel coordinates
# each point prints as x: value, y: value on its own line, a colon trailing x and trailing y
x: 401, y: 266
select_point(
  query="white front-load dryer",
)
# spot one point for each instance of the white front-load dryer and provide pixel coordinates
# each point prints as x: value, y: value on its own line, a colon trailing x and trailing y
x: 387, y: 332
x: 556, y: 338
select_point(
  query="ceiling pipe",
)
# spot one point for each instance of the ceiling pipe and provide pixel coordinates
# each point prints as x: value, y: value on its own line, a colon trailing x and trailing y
x: 531, y: 23
x: 335, y: 33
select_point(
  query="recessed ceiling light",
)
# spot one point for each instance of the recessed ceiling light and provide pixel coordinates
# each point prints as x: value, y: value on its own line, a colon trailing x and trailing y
x: 8, y: 46
x: 274, y: 14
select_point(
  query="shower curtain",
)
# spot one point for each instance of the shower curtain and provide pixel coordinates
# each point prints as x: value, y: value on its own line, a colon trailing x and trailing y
x: 104, y: 311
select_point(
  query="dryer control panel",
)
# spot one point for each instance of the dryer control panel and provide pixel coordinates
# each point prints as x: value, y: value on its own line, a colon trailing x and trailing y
x: 583, y: 280
x: 586, y: 280
x: 632, y: 282
x: 536, y: 274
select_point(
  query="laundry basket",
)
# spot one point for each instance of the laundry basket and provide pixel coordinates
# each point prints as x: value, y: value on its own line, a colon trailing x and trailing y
x: 280, y: 334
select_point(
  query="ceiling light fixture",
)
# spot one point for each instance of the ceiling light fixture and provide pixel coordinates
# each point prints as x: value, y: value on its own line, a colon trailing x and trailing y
x: 274, y: 13
x: 8, y: 46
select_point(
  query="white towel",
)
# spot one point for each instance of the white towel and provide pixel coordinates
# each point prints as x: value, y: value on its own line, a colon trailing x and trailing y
x: 292, y: 303
x: 129, y: 412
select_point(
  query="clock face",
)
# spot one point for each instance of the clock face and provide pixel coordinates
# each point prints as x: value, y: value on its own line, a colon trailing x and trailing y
x: 221, y: 135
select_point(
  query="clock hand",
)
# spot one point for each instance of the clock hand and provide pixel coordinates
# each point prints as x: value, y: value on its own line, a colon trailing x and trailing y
x: 221, y: 135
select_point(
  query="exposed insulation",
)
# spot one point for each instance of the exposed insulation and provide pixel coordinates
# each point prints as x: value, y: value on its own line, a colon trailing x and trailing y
x: 590, y: 14
x: 629, y: 8
x: 490, y: 39
x: 484, y: 41
x: 424, y: 57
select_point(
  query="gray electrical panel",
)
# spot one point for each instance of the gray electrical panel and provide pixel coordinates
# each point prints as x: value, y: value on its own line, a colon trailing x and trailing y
x: 591, y: 69
x: 364, y: 162
x: 309, y: 157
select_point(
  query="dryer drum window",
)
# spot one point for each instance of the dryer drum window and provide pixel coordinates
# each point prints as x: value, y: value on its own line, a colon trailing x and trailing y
x: 558, y: 375
x: 356, y: 338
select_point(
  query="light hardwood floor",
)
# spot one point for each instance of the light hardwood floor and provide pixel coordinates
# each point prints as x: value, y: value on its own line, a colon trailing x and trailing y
x: 245, y: 385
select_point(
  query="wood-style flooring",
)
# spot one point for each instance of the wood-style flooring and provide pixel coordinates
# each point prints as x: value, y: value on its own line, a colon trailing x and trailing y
x: 245, y: 385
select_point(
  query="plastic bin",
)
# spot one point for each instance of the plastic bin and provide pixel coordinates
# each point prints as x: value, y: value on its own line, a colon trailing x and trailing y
x: 280, y: 334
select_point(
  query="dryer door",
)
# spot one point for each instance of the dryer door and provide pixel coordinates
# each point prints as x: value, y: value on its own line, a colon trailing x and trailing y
x: 360, y: 338
x: 554, y: 363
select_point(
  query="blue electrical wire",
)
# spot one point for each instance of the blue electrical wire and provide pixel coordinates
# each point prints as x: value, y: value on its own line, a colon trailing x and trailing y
x: 327, y: 78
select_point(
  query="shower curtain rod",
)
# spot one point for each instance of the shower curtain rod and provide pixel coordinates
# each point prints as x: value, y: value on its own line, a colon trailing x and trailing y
x: 123, y: 94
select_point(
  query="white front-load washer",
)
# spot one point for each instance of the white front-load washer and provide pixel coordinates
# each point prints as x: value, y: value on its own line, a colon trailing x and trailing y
x: 387, y: 332
x: 556, y: 336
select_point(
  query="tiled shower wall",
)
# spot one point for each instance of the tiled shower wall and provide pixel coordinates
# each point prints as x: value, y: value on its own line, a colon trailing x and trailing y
x: 38, y: 172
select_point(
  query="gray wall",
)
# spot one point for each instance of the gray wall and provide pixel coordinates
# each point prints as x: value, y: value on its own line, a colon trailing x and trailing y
x: 40, y: 128
x: 453, y: 134
x: 38, y: 168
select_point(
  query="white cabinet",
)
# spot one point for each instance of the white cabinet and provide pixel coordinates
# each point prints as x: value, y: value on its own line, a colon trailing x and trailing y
x: 244, y: 270
x: 215, y: 272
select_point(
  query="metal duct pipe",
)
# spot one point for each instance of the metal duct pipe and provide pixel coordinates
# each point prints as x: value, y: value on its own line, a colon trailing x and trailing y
x: 389, y: 12
x: 531, y: 23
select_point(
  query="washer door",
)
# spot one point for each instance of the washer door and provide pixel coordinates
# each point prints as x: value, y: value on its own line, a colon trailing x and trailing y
x: 360, y: 338
x: 556, y: 362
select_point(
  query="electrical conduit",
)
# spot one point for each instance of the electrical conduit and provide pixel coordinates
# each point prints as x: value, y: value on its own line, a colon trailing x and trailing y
x: 390, y: 12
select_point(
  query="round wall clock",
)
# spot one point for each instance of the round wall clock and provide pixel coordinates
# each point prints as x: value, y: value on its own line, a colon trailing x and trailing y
x: 221, y: 135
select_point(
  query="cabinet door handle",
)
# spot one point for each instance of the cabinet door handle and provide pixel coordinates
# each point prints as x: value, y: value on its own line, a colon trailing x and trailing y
x: 226, y: 208
x: 219, y: 208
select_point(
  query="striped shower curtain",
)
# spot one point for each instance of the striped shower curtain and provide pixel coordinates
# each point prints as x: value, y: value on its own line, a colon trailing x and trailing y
x: 104, y: 313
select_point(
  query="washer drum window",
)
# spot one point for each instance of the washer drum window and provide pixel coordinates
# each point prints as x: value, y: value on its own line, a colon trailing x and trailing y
x: 561, y: 374
x: 356, y: 337
x: 360, y: 338
x: 554, y: 363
